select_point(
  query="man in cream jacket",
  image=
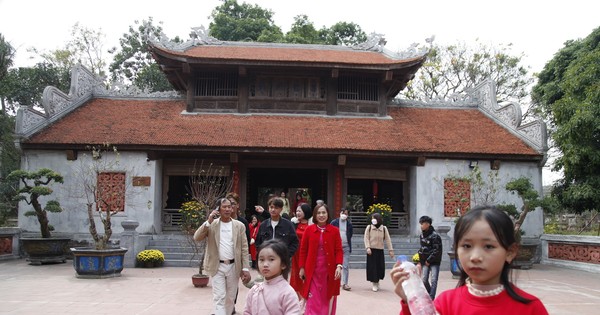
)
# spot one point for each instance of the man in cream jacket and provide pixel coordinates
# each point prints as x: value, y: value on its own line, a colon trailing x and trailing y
x: 226, y: 256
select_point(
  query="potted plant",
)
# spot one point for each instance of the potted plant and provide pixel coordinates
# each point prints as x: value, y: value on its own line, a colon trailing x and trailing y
x: 207, y: 185
x: 102, y: 183
x: 149, y: 258
x: 33, y: 186
x: 193, y: 214
x: 382, y: 208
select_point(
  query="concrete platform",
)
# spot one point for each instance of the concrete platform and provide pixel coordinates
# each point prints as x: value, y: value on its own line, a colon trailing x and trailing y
x: 54, y: 289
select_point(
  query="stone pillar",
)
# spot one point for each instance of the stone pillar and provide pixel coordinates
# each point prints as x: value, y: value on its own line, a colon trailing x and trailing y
x: 443, y: 230
x: 128, y: 238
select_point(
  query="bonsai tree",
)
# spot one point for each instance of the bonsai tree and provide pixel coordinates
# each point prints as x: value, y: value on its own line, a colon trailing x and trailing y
x: 34, y: 185
x: 102, y: 197
x: 207, y: 185
x: 529, y: 196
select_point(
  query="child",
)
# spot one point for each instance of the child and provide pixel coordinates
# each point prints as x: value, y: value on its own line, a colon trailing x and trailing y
x: 273, y: 296
x: 484, y: 242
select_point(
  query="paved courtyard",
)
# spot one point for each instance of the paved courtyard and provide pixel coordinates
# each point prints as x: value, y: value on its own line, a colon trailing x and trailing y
x: 54, y: 289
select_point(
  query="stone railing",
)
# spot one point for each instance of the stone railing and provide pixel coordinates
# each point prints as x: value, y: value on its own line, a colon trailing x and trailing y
x: 571, y: 251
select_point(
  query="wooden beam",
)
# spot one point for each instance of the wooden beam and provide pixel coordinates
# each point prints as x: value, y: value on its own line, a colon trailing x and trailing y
x: 341, y: 159
x: 389, y: 75
x: 421, y: 161
x: 335, y: 73
x: 186, y: 68
x: 242, y: 71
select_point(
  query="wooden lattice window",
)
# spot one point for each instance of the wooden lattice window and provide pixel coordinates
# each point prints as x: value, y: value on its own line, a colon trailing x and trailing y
x: 287, y: 87
x: 358, y: 88
x: 457, y: 196
x: 111, y: 191
x: 216, y: 84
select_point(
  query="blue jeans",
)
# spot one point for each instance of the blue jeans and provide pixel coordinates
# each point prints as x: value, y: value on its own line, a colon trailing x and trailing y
x: 345, y: 264
x: 430, y: 286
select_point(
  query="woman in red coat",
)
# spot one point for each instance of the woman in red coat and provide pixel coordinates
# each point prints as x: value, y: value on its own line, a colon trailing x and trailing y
x: 254, y: 224
x: 321, y: 258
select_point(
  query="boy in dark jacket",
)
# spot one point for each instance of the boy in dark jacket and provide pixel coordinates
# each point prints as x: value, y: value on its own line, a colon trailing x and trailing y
x: 430, y: 255
x: 278, y: 227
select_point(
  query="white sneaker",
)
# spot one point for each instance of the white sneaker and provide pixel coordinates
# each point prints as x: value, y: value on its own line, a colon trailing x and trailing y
x: 375, y: 286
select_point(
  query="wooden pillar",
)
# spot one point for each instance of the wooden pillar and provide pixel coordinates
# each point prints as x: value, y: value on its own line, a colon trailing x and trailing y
x: 332, y: 87
x: 242, y: 90
x: 190, y: 96
x: 235, y: 173
x: 338, y: 190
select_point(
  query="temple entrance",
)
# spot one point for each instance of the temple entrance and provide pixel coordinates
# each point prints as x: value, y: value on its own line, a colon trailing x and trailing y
x: 362, y: 193
x: 309, y: 185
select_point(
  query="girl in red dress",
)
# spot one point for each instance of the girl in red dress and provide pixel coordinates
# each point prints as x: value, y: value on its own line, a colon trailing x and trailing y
x: 485, y: 245
x: 303, y: 214
x: 254, y: 224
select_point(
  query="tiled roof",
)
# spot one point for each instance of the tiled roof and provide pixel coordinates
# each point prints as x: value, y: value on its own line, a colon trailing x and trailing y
x: 290, y: 53
x: 159, y: 123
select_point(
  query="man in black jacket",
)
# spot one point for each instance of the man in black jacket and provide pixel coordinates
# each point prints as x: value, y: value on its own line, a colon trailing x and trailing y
x: 277, y: 227
x: 430, y: 255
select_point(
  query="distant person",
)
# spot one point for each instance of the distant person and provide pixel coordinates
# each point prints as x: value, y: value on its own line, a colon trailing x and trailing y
x: 254, y: 225
x: 320, y: 202
x: 226, y: 257
x: 485, y: 245
x: 286, y: 205
x: 273, y: 296
x: 376, y: 235
x: 343, y: 223
x: 430, y: 255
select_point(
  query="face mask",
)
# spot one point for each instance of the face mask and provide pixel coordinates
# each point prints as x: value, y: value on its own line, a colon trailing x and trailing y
x: 343, y: 217
x: 374, y: 221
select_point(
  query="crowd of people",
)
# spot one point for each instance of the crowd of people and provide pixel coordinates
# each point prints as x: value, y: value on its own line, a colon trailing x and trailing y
x: 302, y: 258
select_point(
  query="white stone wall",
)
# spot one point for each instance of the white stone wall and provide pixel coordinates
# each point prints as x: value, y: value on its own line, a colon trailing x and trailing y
x: 427, y: 190
x: 140, y: 202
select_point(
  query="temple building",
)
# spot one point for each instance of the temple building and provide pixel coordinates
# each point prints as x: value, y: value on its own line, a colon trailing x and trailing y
x: 313, y: 121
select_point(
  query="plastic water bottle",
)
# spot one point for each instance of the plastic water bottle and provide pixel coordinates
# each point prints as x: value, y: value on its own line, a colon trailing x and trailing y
x: 418, y: 299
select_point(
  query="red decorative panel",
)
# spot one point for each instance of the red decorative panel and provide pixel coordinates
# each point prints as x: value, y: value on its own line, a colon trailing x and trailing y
x: 457, y: 195
x: 111, y: 191
x: 338, y: 191
x: 575, y: 252
x: 6, y: 245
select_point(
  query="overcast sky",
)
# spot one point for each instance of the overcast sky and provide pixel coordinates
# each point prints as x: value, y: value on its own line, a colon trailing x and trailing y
x: 536, y: 28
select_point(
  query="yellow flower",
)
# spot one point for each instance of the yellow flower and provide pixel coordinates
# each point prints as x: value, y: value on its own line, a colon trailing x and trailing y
x: 415, y: 258
x: 150, y: 255
x: 193, y: 214
x: 382, y: 208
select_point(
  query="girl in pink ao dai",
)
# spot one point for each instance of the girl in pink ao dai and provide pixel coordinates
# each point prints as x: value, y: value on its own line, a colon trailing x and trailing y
x: 274, y: 296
